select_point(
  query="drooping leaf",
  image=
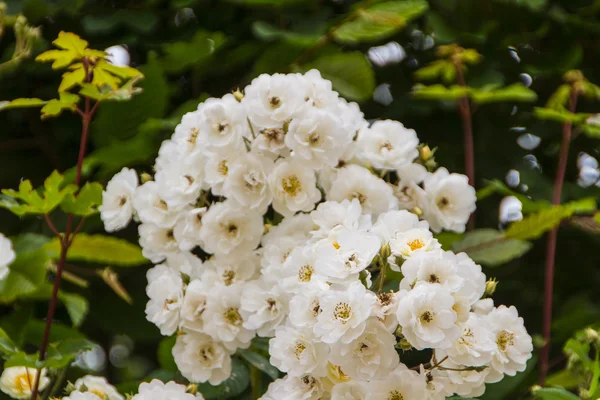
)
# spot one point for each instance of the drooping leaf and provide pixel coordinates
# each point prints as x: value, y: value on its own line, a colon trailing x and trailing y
x: 565, y: 379
x: 440, y: 92
x: 73, y: 77
x: 100, y: 249
x: 379, y: 21
x: 58, y: 355
x: 21, y: 103
x: 7, y: 346
x: 54, y: 107
x: 260, y: 362
x: 25, y: 275
x: 490, y: 247
x: 497, y: 186
x: 515, y: 92
x: 559, y: 115
x: 84, y: 203
x: 233, y: 386
x: 350, y: 73
x: 554, y: 394
x: 439, y: 68
x: 77, y: 306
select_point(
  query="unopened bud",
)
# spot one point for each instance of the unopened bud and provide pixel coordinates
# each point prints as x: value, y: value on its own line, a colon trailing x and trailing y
x: 417, y: 211
x: 145, y: 177
x: 192, y: 388
x: 238, y: 95
x: 425, y: 153
x: 591, y: 335
x: 490, y: 287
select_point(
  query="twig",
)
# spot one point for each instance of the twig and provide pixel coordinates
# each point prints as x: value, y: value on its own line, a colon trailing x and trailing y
x: 552, y: 238
x: 53, y: 227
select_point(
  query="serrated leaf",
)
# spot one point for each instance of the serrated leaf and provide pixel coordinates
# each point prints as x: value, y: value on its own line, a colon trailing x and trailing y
x: 104, y: 78
x: 73, y: 48
x: 86, y: 202
x: 554, y: 394
x: 100, y: 249
x: 122, y: 71
x: 233, y: 386
x: 55, y: 107
x: 379, y: 21
x: 515, y: 92
x: 440, y: 92
x: 490, y: 247
x: 21, y: 103
x: 350, y: 73
x: 260, y: 362
x: 72, y: 78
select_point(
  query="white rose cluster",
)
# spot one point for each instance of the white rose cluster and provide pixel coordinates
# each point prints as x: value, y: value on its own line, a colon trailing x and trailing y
x: 269, y: 211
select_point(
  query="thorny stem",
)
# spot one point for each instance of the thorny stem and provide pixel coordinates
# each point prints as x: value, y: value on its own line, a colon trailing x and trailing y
x: 551, y: 242
x: 464, y: 108
x: 66, y: 239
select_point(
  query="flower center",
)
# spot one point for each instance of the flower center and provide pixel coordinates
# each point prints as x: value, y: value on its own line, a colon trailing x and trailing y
x: 206, y: 354
x: 505, y: 339
x: 443, y: 203
x: 342, y: 312
x: 386, y: 145
x: 385, y: 298
x: 316, y: 308
x: 222, y: 168
x: 193, y: 135
x: 299, y: 348
x: 274, y: 101
x: 395, y: 395
x: 361, y: 197
x: 415, y: 244
x: 228, y: 277
x: 433, y: 278
x: 314, y: 138
x: 232, y: 315
x: 305, y: 273
x: 161, y: 204
x: 273, y: 134
x: 426, y: 317
x: 291, y: 185
x: 122, y: 200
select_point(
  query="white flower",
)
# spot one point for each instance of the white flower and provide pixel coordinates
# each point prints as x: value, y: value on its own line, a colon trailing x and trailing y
x: 306, y: 387
x: 7, y: 255
x: 408, y: 192
x: 276, y: 391
x: 199, y: 358
x: 294, y: 187
x: 513, y: 343
x: 99, y: 386
x: 387, y: 145
x: 297, y: 352
x: 273, y: 100
x: 157, y: 390
x: 432, y: 268
x: 194, y: 304
x: 468, y: 383
x: 152, y: 207
x: 185, y: 139
x: 347, y: 213
x: 450, y: 201
x: 370, y: 356
x: 305, y: 307
x: 228, y: 228
x: 165, y: 290
x: 232, y: 268
x: 320, y: 94
x: 264, y: 306
x: 157, y: 242
x: 247, y: 182
x: 187, y: 229
x: 385, y: 310
x: 427, y: 317
x: 218, y: 168
x: 393, y: 223
x: 317, y: 139
x: 356, y: 182
x: 476, y: 344
x: 483, y: 307
x: 400, y: 384
x: 222, y: 124
x: 344, y: 313
x: 117, y: 200
x: 345, y: 253
x: 353, y: 390
x: 77, y: 395
x: 298, y: 271
x: 17, y: 382
x: 474, y: 279
x: 223, y: 319
x: 298, y: 226
x: 179, y: 183
x: 185, y: 262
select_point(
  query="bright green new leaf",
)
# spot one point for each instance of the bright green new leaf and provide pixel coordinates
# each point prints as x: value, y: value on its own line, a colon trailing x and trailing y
x: 350, y: 73
x: 497, y: 186
x: 54, y: 107
x: 100, y: 249
x: 84, y: 203
x: 560, y: 98
x: 591, y: 130
x: 554, y: 394
x: 122, y: 71
x: 59, y: 355
x: 437, y: 69
x: 559, y: 115
x: 440, y: 92
x: 515, y: 92
x: 379, y: 21
x: 260, y: 362
x: 73, y: 48
x: 490, y: 247
x: 21, y: 103
x: 25, y: 275
x: 71, y: 78
x: 104, y: 78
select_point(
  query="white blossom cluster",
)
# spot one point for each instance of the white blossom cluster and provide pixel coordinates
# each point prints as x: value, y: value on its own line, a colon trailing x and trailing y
x: 7, y: 256
x: 349, y: 197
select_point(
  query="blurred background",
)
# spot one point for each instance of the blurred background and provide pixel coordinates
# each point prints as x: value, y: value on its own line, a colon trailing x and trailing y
x: 189, y: 50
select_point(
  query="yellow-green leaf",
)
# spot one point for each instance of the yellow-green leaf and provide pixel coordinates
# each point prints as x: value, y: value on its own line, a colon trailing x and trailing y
x: 73, y: 48
x: 86, y: 202
x: 72, y: 78
x: 21, y: 103
x: 100, y: 249
x: 490, y: 247
x: 104, y: 78
x: 439, y: 68
x: 55, y: 107
x: 439, y: 92
x: 514, y: 92
x: 70, y: 41
x: 122, y: 72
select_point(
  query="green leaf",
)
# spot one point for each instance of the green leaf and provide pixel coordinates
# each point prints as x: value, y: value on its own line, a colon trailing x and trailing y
x: 268, y: 3
x: 73, y: 48
x: 497, y: 186
x: 515, y: 92
x: 26, y: 274
x: 267, y: 32
x: 54, y: 107
x: 490, y: 247
x: 179, y: 56
x: 438, y: 68
x: 72, y: 78
x: 233, y: 386
x: 565, y: 379
x: 559, y: 115
x: 379, y: 21
x: 350, y: 73
x: 260, y: 362
x: 440, y: 92
x: 84, y: 203
x: 165, y: 354
x: 100, y: 249
x: 143, y: 21
x: 77, y: 306
x: 28, y: 242
x: 21, y: 103
x: 59, y: 355
x: 560, y: 98
x: 554, y: 394
x: 7, y: 346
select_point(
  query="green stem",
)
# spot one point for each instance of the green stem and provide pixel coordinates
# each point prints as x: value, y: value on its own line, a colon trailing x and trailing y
x: 60, y: 378
x: 255, y: 382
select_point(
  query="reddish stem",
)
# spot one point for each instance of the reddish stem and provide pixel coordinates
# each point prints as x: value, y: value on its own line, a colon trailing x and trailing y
x: 551, y: 243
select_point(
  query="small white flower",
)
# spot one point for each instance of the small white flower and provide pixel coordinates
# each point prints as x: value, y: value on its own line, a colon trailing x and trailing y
x: 387, y: 145
x: 356, y: 182
x: 7, y: 256
x: 306, y: 387
x: 297, y: 352
x: 298, y: 271
x: 294, y: 187
x: 298, y: 226
x: 344, y: 313
x: 222, y: 124
x: 197, y: 294
x: 157, y: 390
x: 77, y: 395
x: 218, y: 168
x: 264, y: 306
x: 117, y: 200
x: 370, y: 356
x: 228, y: 228
x: 17, y: 382
x: 353, y: 390
x: 305, y: 307
x: 165, y: 290
x: 320, y: 94
x: 431, y: 268
x: 385, y: 310
x: 157, y: 242
x: 152, y: 207
x: 185, y: 262
x: 99, y: 386
x: 513, y: 344
x: 467, y: 383
x: 199, y: 358
x: 185, y: 139
x: 347, y: 213
x: 473, y: 278
x: 179, y: 183
x: 400, y: 384
x: 450, y: 201
x: 247, y: 182
x: 187, y: 229
x: 232, y: 268
x: 475, y: 345
x: 427, y: 316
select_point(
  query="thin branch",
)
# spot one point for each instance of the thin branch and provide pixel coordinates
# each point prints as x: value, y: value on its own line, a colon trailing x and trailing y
x: 77, y: 230
x: 53, y: 227
x: 551, y: 243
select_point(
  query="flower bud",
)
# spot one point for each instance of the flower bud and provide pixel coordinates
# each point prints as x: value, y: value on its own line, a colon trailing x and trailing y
x: 145, y: 177
x: 490, y: 287
x: 238, y: 95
